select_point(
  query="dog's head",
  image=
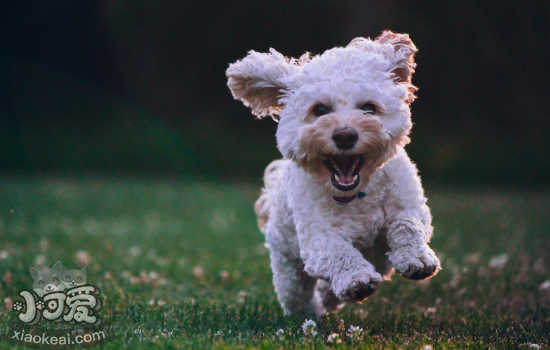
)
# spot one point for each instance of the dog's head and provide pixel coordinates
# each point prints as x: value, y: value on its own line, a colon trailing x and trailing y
x: 343, y: 113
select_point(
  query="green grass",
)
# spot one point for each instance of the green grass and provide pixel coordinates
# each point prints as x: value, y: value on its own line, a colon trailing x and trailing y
x: 194, y: 246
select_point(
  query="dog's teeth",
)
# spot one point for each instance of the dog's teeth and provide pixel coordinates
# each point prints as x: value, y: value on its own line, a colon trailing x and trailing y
x: 355, y: 178
x: 337, y: 178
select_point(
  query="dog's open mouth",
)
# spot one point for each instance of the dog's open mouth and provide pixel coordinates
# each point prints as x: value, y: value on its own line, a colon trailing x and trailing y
x: 345, y: 171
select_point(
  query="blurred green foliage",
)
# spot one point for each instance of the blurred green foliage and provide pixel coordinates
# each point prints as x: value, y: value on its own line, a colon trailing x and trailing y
x: 81, y: 127
x: 140, y: 87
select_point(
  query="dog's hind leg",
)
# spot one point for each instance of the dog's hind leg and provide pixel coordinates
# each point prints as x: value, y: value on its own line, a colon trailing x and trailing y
x: 263, y: 204
x: 324, y: 300
x: 377, y: 256
x: 294, y: 287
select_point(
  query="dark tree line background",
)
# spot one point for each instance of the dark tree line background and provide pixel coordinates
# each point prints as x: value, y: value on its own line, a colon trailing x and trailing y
x: 110, y: 85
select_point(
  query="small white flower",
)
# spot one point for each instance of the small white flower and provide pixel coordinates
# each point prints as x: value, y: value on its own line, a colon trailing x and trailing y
x: 334, y: 338
x: 134, y: 251
x: 355, y: 333
x: 534, y: 347
x: 198, y: 272
x: 427, y: 347
x: 498, y: 262
x: 165, y: 333
x: 241, y: 297
x: 309, y: 328
x: 545, y: 285
x: 224, y: 275
x: 40, y: 260
x: 44, y: 244
x: 280, y: 333
x: 83, y: 258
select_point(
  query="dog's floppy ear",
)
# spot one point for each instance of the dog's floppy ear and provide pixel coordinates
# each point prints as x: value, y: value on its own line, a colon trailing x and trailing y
x: 259, y: 80
x: 403, y: 65
x: 399, y: 50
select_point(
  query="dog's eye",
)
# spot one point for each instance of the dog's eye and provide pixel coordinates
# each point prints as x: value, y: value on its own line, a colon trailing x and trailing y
x: 320, y: 110
x: 79, y: 278
x: 41, y: 283
x: 67, y: 278
x: 369, y: 108
x: 55, y: 279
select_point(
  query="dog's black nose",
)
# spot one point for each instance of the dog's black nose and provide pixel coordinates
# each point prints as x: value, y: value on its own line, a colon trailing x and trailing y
x: 345, y: 138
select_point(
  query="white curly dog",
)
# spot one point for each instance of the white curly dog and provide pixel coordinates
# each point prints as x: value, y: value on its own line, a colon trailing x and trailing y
x: 345, y: 206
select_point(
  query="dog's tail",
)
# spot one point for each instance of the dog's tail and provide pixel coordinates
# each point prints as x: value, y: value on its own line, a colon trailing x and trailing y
x: 263, y: 204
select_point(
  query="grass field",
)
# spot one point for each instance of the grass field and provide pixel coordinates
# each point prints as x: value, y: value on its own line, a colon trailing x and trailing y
x: 181, y: 264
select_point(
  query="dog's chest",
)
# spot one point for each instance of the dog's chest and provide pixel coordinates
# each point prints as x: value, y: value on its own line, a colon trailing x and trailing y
x: 314, y: 212
x: 362, y: 220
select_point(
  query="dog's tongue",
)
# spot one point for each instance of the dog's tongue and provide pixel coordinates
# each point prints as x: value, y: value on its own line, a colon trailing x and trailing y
x: 346, y: 179
x: 345, y: 174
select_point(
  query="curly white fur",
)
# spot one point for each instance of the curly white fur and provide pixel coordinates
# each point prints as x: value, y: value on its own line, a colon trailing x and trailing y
x: 323, y: 253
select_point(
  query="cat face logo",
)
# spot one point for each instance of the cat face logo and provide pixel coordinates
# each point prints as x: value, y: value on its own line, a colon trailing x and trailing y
x: 73, y: 278
x: 56, y: 279
x: 48, y: 279
x: 58, y: 295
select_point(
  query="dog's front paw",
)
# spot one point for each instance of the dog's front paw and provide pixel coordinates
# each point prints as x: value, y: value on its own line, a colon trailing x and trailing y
x: 356, y: 287
x: 415, y: 263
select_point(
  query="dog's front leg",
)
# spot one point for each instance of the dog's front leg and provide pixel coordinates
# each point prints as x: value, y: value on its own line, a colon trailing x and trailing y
x: 409, y: 222
x: 330, y: 256
x: 411, y: 256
